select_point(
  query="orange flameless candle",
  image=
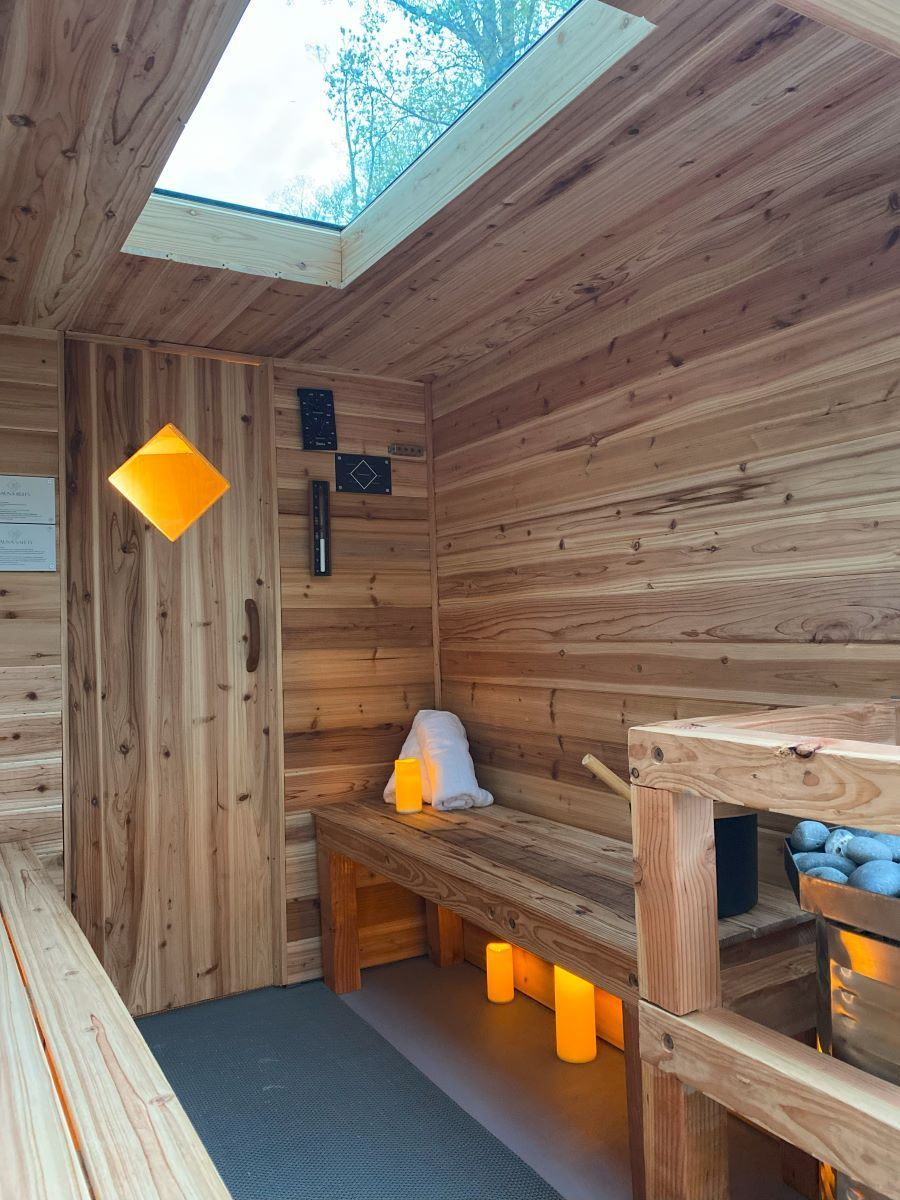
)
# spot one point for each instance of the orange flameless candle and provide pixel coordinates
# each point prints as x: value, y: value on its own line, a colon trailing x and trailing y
x: 408, y: 779
x: 499, y: 962
x: 576, y: 1022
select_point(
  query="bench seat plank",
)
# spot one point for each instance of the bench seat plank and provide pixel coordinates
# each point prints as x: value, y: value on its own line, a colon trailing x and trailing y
x: 567, y: 895
x: 38, y: 1160
x: 135, y: 1139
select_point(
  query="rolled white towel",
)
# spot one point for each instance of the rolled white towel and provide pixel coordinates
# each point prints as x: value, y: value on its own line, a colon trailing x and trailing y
x: 439, y: 741
x: 409, y: 749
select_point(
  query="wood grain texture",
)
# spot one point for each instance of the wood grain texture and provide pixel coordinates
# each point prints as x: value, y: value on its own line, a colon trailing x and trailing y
x: 358, y: 661
x: 31, y: 618
x: 40, y: 1161
x: 340, y: 921
x: 830, y: 1109
x: 665, y: 472
x: 873, y: 21
x: 800, y: 774
x: 634, y: 1092
x: 711, y: 170
x: 675, y: 886
x: 175, y: 804
x: 133, y: 1136
x: 94, y: 96
x: 685, y: 1140
x: 445, y: 935
x: 564, y: 894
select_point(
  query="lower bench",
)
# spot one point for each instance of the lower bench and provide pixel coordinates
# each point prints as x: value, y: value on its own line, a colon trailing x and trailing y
x: 87, y: 1112
x: 562, y: 893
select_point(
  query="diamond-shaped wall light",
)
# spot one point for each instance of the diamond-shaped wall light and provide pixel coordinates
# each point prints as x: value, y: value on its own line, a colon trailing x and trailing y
x: 170, y: 482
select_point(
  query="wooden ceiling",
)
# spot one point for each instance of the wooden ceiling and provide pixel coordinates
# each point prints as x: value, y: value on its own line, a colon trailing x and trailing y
x: 737, y: 122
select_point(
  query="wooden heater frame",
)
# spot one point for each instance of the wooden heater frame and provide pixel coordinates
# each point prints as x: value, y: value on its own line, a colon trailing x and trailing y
x: 839, y: 764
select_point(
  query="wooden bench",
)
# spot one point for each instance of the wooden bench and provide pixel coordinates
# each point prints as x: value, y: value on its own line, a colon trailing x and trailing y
x: 561, y: 893
x: 87, y: 1112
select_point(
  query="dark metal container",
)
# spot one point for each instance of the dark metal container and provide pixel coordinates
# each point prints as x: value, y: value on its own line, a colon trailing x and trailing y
x: 737, y: 863
x: 858, y: 994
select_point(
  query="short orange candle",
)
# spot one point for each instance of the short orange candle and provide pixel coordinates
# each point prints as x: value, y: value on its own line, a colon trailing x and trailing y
x: 576, y: 1020
x: 408, y: 781
x: 501, y: 986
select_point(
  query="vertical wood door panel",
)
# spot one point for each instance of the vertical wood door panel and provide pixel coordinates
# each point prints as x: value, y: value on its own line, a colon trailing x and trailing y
x: 175, y: 794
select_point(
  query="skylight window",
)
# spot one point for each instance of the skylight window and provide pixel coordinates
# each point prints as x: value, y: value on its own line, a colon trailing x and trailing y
x: 318, y: 105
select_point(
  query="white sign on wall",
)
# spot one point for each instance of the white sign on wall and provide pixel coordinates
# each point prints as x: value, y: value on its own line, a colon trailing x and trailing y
x: 27, y: 523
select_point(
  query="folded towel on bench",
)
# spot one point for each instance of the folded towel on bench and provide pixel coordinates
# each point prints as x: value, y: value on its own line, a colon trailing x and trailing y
x: 438, y: 740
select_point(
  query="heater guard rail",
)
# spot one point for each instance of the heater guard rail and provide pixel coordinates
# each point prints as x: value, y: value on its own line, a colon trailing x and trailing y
x: 839, y: 764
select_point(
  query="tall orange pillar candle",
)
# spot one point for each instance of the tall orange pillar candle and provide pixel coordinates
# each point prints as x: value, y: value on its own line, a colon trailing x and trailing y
x: 576, y: 1022
x: 501, y: 986
x: 408, y: 781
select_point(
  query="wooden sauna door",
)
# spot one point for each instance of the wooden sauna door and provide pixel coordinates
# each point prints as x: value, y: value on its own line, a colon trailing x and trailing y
x: 174, y: 818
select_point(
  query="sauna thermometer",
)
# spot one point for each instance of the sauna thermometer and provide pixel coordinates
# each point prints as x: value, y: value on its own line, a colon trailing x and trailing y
x: 320, y: 527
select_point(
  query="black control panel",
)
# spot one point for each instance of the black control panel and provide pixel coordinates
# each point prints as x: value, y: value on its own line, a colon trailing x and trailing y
x: 362, y: 473
x: 317, y: 424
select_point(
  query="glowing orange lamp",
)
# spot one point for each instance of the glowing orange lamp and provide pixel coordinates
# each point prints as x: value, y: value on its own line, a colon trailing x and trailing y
x: 170, y: 482
x: 576, y: 1020
x: 408, y: 781
x: 501, y: 986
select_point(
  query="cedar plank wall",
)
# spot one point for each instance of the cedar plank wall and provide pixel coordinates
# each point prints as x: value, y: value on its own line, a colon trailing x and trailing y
x: 357, y: 655
x: 31, y: 737
x: 683, y: 497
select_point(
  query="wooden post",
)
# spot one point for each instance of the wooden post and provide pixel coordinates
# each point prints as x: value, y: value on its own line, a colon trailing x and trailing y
x: 634, y: 1097
x: 800, y: 1170
x: 685, y: 1141
x: 685, y: 1150
x: 445, y: 935
x: 340, y: 921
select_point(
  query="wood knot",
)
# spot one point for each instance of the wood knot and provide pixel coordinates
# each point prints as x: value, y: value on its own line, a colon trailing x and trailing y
x: 804, y: 749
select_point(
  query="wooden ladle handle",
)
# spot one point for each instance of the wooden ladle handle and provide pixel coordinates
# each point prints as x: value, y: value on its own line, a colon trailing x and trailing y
x: 610, y: 778
x: 252, y: 611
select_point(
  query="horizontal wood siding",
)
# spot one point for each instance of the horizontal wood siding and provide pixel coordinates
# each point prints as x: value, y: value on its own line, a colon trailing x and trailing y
x: 683, y: 498
x: 357, y: 647
x: 31, y: 737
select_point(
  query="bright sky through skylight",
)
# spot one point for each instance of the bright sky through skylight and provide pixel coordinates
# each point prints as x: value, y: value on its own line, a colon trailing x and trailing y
x: 267, y: 134
x: 264, y: 117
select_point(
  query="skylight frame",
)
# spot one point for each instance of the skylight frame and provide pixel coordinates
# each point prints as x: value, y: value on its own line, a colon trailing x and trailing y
x: 572, y: 55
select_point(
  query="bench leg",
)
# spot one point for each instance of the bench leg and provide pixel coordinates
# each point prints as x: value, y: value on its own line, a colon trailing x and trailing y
x: 634, y: 1098
x: 685, y: 1140
x: 340, y: 922
x: 445, y: 935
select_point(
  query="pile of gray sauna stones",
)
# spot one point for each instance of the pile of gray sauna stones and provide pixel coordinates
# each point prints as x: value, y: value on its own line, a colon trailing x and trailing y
x: 857, y: 857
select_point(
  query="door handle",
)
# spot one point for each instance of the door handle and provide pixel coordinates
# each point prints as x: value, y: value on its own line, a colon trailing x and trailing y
x: 252, y: 611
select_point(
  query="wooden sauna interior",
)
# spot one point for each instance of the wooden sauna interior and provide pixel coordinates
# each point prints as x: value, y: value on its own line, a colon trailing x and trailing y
x: 648, y: 358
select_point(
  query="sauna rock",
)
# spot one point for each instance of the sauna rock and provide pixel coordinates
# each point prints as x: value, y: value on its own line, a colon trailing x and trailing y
x: 878, y: 876
x: 837, y: 862
x: 891, y: 840
x: 867, y: 849
x: 832, y: 874
x: 837, y: 840
x: 809, y: 835
x: 866, y: 860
